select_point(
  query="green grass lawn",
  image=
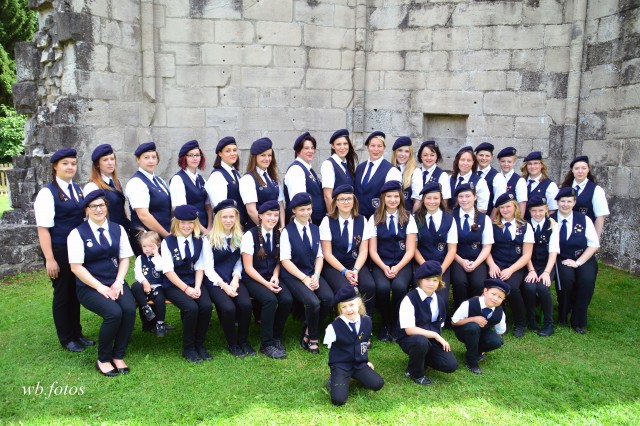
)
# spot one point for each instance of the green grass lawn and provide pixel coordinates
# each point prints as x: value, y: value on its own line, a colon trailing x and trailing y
x: 563, y: 379
x: 4, y: 204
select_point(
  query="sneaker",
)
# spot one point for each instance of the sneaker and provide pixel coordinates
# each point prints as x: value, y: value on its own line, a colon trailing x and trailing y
x: 546, y: 331
x: 272, y: 352
x: 518, y: 331
x: 384, y: 335
x: 279, y: 345
x: 160, y: 330
x: 247, y: 349
x: 148, y: 313
x: 191, y: 356
x: 474, y: 370
x: 236, y: 351
x: 423, y: 381
x: 203, y: 353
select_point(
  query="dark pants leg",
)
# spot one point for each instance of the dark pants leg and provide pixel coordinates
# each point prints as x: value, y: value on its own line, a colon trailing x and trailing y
x: 195, y: 314
x: 515, y: 299
x: 231, y: 310
x: 564, y: 289
x: 65, y: 306
x: 118, y: 318
x: 417, y: 348
x: 477, y: 340
x: 366, y: 284
x: 340, y: 379
x: 317, y: 304
x: 534, y: 292
x: 389, y: 293
x: 440, y: 360
x: 583, y: 291
x: 466, y: 285
x: 275, y: 309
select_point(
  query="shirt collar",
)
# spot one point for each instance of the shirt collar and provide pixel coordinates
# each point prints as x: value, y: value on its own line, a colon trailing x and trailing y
x: 62, y: 183
x: 508, y: 174
x: 347, y: 321
x: 377, y: 162
x: 265, y: 232
x: 436, y: 215
x: 299, y: 226
x: 191, y: 175
x: 94, y: 226
x: 485, y: 170
x: 304, y: 163
x: 149, y: 176
x: 337, y: 158
x: 227, y: 167
x: 423, y: 295
x: 512, y: 221
x: 581, y: 185
x: 483, y: 304
x: 395, y: 214
x: 106, y: 179
x: 535, y: 223
x: 467, y: 176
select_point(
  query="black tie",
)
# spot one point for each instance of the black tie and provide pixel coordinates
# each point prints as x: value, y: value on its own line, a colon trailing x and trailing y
x: 266, y: 179
x: 344, y: 165
x: 432, y: 226
x: 563, y: 230
x: 236, y: 175
x: 353, y: 329
x: 367, y: 176
x: 268, y: 244
x: 158, y: 184
x: 577, y: 190
x: 486, y: 312
x: 229, y: 243
x: 460, y: 179
x: 71, y: 195
x: 345, y: 234
x: 531, y: 181
x: 537, y: 233
x: 465, y: 225
x: 305, y: 238
x: 187, y: 250
x: 103, y: 239
x: 479, y: 172
x: 392, y: 226
x: 199, y: 182
x: 425, y: 175
x: 111, y: 183
x: 506, y: 230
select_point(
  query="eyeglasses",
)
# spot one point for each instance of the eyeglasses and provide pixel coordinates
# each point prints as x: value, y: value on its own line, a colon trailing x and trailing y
x: 344, y: 200
x: 95, y: 207
x: 193, y: 155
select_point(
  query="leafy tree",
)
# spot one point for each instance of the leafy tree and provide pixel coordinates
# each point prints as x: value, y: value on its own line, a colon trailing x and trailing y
x: 11, y: 133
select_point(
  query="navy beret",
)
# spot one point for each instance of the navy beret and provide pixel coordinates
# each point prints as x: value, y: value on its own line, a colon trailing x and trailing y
x: 344, y: 294
x: 430, y: 268
x: 565, y: 191
x: 392, y: 185
x: 535, y: 155
x: 341, y: 133
x: 467, y: 148
x: 401, y: 141
x: 377, y: 133
x: 225, y: 204
x: 297, y: 145
x: 507, y: 152
x: 342, y: 189
x: 484, y: 146
x: 497, y: 283
x: 424, y: 145
x: 144, y: 147
x: 504, y: 199
x: 580, y: 159
x: 185, y: 212
x: 63, y: 153
x: 261, y: 145
x: 269, y: 206
x: 465, y: 187
x: 431, y: 187
x: 227, y: 140
x: 98, y: 193
x: 188, y: 146
x: 300, y: 199
x: 536, y: 201
x: 101, y: 151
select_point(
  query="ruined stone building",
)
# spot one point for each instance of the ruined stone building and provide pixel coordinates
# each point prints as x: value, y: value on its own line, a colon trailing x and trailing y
x: 559, y: 76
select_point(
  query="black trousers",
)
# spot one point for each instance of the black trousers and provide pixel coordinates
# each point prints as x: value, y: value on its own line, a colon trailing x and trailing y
x: 231, y: 310
x: 158, y: 306
x: 275, y: 308
x: 118, y: 316
x: 366, y: 284
x: 424, y: 353
x: 65, y: 306
x: 538, y: 292
x: 389, y: 293
x: 466, y: 285
x: 195, y: 314
x: 575, y: 290
x: 515, y: 298
x: 477, y: 340
x: 340, y: 379
x: 317, y: 304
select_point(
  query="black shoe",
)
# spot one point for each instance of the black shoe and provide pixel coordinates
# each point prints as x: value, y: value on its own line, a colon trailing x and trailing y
x: 518, y: 331
x: 423, y: 381
x: 236, y: 351
x: 304, y: 338
x: 148, y: 313
x: 279, y: 345
x: 273, y: 352
x: 314, y: 348
x: 482, y: 357
x: 124, y: 370
x: 474, y: 370
x: 247, y: 349
x: 110, y: 373
x: 85, y: 342
x: 168, y: 327
x: 579, y: 330
x: 191, y: 356
x: 161, y: 329
x: 204, y: 353
x: 546, y: 331
x: 384, y: 335
x: 74, y: 346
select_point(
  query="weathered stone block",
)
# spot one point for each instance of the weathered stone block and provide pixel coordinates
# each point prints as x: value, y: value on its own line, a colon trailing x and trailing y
x: 480, y: 60
x: 556, y: 59
x: 329, y: 79
x: 513, y: 37
x: 385, y: 61
x: 481, y: 13
x: 203, y: 75
x: 124, y: 61
x: 630, y: 72
x: 426, y: 16
x: 273, y: 98
x: 271, y: 77
x: 234, y: 54
x: 314, y: 13
x: 268, y: 10
x: 220, y: 9
x: 185, y: 54
x: 292, y: 57
x: 279, y: 33
x: 388, y: 100
x: 325, y: 58
x: 623, y: 124
x: 27, y: 61
x: 531, y: 127
x: 529, y: 60
x: 344, y: 16
x: 490, y: 126
x: 592, y: 126
x: 126, y: 10
x: 341, y: 98
x: 305, y: 98
x: 542, y: 12
x: 187, y: 31
x: 447, y: 80
x: 599, y: 9
x: 401, y: 39
x: 631, y: 153
x: 312, y: 118
x: 226, y: 119
x: 608, y: 28
x: 450, y: 102
x: 509, y: 103
x: 600, y: 53
x: 432, y: 61
x: 602, y: 153
x: 403, y: 80
x: 25, y: 97
x: 329, y: 37
x: 234, y: 31
x: 557, y: 35
x: 261, y: 119
x: 185, y: 117
x: 388, y: 17
x: 110, y: 32
x: 238, y: 96
x: 191, y: 96
x: 73, y: 26
x: 459, y: 38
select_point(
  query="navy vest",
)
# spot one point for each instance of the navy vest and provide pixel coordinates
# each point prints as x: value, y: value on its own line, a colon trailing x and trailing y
x: 314, y: 189
x: 470, y: 245
x: 476, y: 311
x: 341, y: 177
x: 224, y: 261
x: 422, y: 312
x: 512, y: 182
x: 196, y: 195
x: 266, y: 266
x: 117, y: 213
x: 453, y: 180
x: 149, y: 271
x: 233, y: 192
x: 505, y: 251
x: 435, y: 247
x: 68, y: 215
x: 391, y: 248
x: 489, y: 178
x: 584, y: 201
x: 184, y: 269
x: 369, y: 196
x: 266, y: 192
x: 577, y: 242
x: 159, y: 204
x: 349, y: 352
x: 432, y: 177
x: 100, y: 262
x: 338, y: 249
x: 540, y: 254
x: 301, y: 256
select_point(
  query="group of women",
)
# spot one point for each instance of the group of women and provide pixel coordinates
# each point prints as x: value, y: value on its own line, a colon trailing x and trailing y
x: 227, y: 238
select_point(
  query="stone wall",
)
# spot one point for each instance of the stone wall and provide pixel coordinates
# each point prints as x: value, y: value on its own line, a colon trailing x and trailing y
x: 549, y: 75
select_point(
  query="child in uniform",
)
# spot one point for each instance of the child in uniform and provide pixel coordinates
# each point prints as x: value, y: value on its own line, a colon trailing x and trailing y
x: 515, y: 183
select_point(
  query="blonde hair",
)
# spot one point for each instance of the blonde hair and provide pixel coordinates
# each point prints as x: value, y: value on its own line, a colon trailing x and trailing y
x: 217, y: 238
x: 149, y: 235
x: 361, y: 309
x: 409, y: 167
x: 543, y: 170
x: 176, y: 232
x: 517, y: 215
x: 440, y: 282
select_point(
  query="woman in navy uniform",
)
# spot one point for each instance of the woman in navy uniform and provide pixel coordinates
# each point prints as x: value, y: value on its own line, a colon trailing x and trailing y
x: 391, y: 249
x: 260, y: 182
x: 496, y: 183
x: 58, y: 210
x: 187, y: 186
x: 515, y: 183
x: 372, y: 174
x: 148, y: 197
x: 301, y: 177
x: 590, y: 200
x: 260, y: 249
x: 104, y: 175
x: 429, y: 155
x: 301, y: 257
x: 534, y: 172
x: 344, y: 236
x: 224, y: 181
x: 475, y: 237
x: 403, y: 159
x: 465, y: 166
x: 437, y: 234
x: 510, y: 254
x: 576, y: 263
x: 99, y: 252
x: 183, y: 265
x: 340, y: 168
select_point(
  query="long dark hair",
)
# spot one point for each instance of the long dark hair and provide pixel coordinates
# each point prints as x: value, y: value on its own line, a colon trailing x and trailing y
x: 351, y: 158
x: 272, y: 170
x: 456, y: 169
x: 422, y: 211
x: 568, y: 179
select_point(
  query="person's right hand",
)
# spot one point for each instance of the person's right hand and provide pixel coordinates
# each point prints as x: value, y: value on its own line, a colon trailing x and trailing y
x: 52, y: 268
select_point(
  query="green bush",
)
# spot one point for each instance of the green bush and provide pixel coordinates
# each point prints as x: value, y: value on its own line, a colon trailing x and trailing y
x: 11, y: 133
